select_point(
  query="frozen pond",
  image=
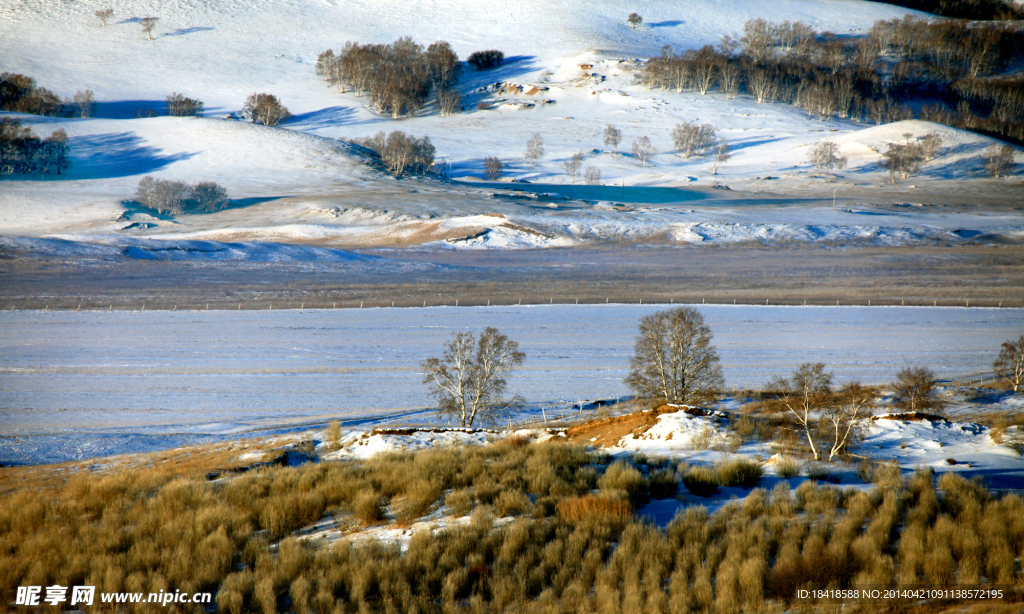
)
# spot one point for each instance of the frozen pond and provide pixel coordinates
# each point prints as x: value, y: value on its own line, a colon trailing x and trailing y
x: 188, y: 375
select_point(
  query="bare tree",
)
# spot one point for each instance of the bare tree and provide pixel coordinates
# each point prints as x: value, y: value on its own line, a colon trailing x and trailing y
x: 806, y: 392
x: 634, y: 20
x: 999, y: 160
x: 722, y: 155
x: 85, y: 102
x: 915, y: 390
x: 573, y: 164
x: 692, y: 139
x: 592, y: 175
x: 448, y: 101
x: 931, y: 144
x: 673, y: 359
x: 443, y: 63
x: 758, y: 38
x: 612, y: 137
x: 266, y: 109
x: 643, y: 149
x: 846, y: 411
x: 148, y: 23
x: 493, y: 168
x: 105, y: 15
x: 729, y: 78
x: 1009, y: 365
x: 471, y: 375
x: 903, y: 159
x: 825, y: 155
x: 534, y: 148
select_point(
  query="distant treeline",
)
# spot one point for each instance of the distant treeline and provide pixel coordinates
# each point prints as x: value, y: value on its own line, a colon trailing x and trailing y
x: 951, y: 68
x: 986, y: 10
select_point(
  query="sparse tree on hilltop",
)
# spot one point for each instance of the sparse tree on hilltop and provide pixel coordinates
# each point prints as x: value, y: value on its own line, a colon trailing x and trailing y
x: 592, y: 175
x: 105, y: 15
x: 148, y: 23
x: 1009, y: 365
x: 493, y: 168
x: 643, y: 149
x: 825, y: 155
x: 999, y: 160
x: 573, y: 164
x: 471, y: 376
x: 266, y: 109
x: 534, y: 148
x: 612, y: 137
x: 915, y: 390
x: 673, y: 359
x: 807, y: 391
x: 634, y: 20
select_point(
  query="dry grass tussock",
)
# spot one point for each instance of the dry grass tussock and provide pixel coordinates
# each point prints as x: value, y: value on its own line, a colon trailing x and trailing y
x: 573, y: 544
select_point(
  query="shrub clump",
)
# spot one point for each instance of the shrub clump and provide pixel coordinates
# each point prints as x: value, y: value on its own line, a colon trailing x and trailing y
x: 484, y: 60
x: 701, y: 481
x: 623, y: 481
x: 739, y: 472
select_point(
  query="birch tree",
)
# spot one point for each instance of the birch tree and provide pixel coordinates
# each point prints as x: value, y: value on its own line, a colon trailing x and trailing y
x: 804, y: 394
x: 1009, y: 365
x: 673, y: 359
x: 847, y: 410
x: 470, y: 377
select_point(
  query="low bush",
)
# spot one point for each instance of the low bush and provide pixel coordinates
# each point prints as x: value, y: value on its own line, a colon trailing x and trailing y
x: 593, y: 509
x: 701, y: 481
x: 368, y: 507
x: 663, y: 484
x: 787, y: 467
x: 739, y: 472
x: 622, y: 480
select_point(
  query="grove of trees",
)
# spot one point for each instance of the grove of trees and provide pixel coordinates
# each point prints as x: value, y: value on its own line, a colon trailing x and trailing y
x: 400, y: 152
x: 177, y: 197
x: 953, y: 68
x: 23, y: 153
x: 398, y: 77
x: 180, y: 106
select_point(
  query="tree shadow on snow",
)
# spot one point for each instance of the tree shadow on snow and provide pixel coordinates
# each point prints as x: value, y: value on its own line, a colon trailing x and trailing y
x: 665, y: 24
x: 127, y: 109
x: 472, y: 80
x: 323, y: 118
x: 103, y: 156
x: 184, y: 31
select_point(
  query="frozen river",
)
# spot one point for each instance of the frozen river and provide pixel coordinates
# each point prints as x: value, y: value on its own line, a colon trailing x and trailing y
x: 76, y: 384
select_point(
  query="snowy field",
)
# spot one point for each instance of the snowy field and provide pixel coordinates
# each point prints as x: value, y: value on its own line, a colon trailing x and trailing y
x: 83, y: 384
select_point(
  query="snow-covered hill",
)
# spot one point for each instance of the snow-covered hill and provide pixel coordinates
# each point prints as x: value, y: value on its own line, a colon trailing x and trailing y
x: 298, y: 184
